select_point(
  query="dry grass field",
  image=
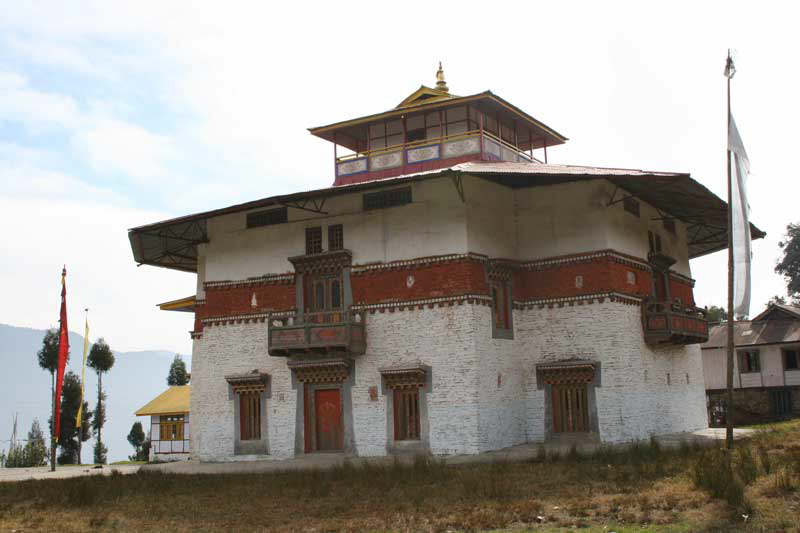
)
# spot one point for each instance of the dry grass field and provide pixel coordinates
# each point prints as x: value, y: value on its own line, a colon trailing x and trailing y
x: 645, y: 488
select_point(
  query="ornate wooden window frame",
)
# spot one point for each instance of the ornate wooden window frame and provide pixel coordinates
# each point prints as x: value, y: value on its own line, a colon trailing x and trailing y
x: 499, y: 275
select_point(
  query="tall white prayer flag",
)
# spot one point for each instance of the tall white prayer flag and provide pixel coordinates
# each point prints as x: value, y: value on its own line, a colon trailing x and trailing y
x: 741, y: 222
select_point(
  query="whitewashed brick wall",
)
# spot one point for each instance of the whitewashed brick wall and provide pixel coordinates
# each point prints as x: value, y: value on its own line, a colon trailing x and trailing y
x: 469, y: 411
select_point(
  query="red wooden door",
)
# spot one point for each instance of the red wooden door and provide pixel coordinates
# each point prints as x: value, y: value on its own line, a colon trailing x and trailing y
x: 328, y: 415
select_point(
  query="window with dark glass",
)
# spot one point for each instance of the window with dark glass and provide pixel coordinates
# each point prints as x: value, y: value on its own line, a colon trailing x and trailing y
x: 631, y: 205
x: 314, y: 240
x: 335, y: 237
x: 390, y: 198
x: 267, y: 218
x: 790, y: 360
x: 324, y: 294
x: 749, y: 361
x: 406, y: 414
x: 249, y: 415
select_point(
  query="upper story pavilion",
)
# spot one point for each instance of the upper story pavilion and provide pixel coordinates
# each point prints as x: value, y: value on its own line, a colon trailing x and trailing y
x: 433, y: 129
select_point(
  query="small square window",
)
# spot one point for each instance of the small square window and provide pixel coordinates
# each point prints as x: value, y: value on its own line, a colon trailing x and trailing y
x: 631, y: 205
x: 313, y: 240
x: 335, y: 237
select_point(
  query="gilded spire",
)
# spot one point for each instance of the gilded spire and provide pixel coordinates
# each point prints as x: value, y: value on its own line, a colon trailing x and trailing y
x: 440, y: 83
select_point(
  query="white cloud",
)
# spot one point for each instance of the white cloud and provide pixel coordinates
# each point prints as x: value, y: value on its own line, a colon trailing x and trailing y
x: 115, y: 145
x: 21, y: 103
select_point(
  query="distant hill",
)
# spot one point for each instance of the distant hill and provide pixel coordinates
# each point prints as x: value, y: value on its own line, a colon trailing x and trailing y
x: 135, y: 379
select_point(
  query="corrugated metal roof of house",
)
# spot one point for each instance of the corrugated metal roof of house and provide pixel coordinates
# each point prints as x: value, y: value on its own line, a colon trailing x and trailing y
x: 753, y: 333
x: 174, y: 400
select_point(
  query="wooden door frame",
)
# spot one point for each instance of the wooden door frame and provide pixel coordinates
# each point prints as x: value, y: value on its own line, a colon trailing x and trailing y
x: 310, y: 442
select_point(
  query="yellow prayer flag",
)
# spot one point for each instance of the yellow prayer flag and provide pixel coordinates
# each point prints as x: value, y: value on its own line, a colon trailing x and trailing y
x: 79, y: 417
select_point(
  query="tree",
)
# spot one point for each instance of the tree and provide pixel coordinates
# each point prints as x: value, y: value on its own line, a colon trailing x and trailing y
x: 101, y: 359
x: 777, y: 300
x: 716, y: 314
x: 48, y: 360
x: 36, y: 448
x: 177, y: 372
x: 71, y: 436
x: 789, y: 265
x: 137, y: 440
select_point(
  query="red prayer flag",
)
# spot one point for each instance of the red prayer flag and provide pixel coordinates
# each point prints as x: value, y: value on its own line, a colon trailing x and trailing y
x: 63, y: 353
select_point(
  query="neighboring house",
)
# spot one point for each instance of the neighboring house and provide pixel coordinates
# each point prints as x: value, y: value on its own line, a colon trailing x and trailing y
x: 766, y: 369
x: 450, y: 293
x: 169, y: 424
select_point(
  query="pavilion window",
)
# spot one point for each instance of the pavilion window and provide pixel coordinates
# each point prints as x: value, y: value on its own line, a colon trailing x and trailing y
x: 456, y: 120
x: 790, y: 360
x: 250, y: 416
x: 335, y: 237
x: 749, y: 361
x: 406, y: 414
x: 313, y: 240
x: 385, y: 134
x: 171, y: 427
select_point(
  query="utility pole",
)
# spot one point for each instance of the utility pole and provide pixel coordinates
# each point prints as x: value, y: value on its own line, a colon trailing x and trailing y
x: 729, y: 71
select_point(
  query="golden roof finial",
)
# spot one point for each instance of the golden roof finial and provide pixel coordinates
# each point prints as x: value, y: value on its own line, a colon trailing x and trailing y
x: 440, y: 83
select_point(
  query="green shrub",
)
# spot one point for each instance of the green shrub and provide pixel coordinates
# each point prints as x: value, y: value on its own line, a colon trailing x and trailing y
x: 714, y: 472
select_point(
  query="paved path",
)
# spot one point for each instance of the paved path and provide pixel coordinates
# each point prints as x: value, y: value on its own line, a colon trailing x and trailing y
x: 43, y: 472
x: 515, y: 453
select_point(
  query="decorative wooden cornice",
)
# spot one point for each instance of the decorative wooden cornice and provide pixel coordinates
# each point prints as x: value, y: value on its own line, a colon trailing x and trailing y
x: 254, y: 381
x: 404, y: 377
x: 267, y: 279
x: 567, y: 373
x: 320, y: 370
x: 324, y: 262
x: 430, y: 303
x: 328, y: 259
x: 583, y: 299
x: 501, y: 269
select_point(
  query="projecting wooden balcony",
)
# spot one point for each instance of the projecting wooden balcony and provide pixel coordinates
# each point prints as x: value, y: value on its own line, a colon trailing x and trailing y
x: 324, y: 333
x: 672, y: 323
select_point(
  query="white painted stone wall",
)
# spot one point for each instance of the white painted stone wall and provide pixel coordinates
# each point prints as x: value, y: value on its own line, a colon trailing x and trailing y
x: 497, y: 221
x: 236, y: 349
x: 469, y: 409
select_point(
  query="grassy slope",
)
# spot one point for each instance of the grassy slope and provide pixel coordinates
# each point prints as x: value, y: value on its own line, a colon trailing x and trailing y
x: 645, y: 488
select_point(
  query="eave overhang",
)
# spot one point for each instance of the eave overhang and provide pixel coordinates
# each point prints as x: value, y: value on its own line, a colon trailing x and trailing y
x: 345, y: 136
x: 172, y: 243
x: 185, y: 305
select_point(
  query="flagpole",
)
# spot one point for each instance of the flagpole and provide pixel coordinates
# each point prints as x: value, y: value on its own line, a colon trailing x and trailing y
x: 730, y: 346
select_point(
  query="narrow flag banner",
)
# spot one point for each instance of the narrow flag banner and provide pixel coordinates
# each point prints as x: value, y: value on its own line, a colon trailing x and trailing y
x: 79, y: 417
x: 63, y: 354
x: 742, y: 253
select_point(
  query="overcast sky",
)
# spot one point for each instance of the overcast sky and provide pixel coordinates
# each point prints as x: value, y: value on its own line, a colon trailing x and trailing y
x: 113, y: 115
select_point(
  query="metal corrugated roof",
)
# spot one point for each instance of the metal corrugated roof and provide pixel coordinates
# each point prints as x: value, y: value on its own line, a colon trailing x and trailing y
x: 172, y: 243
x: 753, y: 333
x: 174, y: 400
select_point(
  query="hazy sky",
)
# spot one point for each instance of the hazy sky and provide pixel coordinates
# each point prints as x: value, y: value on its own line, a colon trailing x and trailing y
x: 113, y: 115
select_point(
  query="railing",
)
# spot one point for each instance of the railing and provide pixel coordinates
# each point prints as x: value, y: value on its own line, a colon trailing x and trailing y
x: 328, y: 332
x: 673, y: 323
x: 470, y: 142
